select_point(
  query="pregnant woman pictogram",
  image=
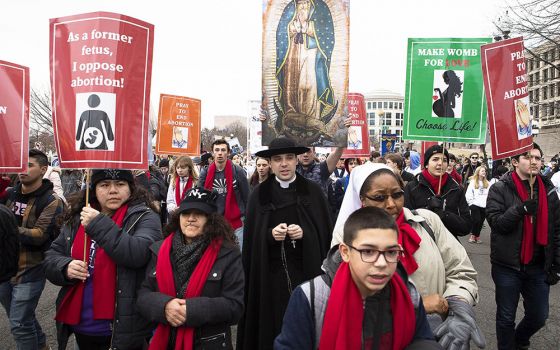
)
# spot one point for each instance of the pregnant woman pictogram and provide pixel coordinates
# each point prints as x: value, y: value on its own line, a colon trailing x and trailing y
x: 94, y: 128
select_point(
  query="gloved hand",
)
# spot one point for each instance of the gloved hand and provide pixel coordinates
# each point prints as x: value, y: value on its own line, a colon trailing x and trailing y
x: 529, y: 207
x: 435, y: 204
x: 460, y: 327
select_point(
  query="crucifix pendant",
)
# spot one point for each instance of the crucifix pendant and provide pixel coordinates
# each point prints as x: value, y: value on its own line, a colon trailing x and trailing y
x: 294, y: 243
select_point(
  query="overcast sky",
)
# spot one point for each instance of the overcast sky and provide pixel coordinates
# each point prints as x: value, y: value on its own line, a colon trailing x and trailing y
x: 211, y: 49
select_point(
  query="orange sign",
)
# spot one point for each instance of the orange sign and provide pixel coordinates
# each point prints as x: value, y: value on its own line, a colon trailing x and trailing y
x: 178, y: 125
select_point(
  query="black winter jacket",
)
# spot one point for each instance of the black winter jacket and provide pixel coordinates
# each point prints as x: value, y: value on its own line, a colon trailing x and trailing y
x: 504, y: 214
x: 211, y: 314
x: 129, y: 249
x: 456, y: 215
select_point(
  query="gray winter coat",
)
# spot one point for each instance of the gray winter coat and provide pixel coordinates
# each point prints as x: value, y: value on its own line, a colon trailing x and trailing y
x: 129, y: 249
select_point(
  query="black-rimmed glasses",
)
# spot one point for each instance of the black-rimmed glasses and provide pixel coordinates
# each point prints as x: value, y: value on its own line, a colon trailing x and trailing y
x: 370, y: 255
x: 383, y: 197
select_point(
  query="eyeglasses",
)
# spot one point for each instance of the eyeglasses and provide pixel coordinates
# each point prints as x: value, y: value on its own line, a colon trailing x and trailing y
x: 383, y: 197
x: 474, y: 157
x: 369, y: 255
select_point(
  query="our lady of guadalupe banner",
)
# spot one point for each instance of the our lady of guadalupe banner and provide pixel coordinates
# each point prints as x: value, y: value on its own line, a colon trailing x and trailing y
x: 388, y: 142
x: 101, y: 67
x: 305, y: 70
x: 507, y: 95
x: 444, y: 99
x: 178, y: 126
x: 358, y: 134
x: 14, y: 117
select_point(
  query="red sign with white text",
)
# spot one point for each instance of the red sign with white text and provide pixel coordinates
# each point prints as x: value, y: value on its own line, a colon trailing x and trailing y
x: 358, y: 134
x: 14, y: 117
x: 101, y: 68
x: 507, y: 96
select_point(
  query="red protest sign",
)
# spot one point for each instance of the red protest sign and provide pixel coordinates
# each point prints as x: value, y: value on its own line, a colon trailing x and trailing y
x: 507, y: 96
x: 101, y: 67
x: 424, y: 147
x: 358, y: 134
x: 14, y: 117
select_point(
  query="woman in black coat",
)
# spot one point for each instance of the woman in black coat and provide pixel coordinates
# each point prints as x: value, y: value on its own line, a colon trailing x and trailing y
x: 194, y: 282
x: 97, y: 298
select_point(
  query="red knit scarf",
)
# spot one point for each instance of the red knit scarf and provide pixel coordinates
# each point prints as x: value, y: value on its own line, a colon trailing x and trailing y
x: 342, y: 325
x: 434, y: 181
x: 528, y: 242
x: 231, y: 210
x: 104, y: 280
x: 456, y: 176
x: 166, y: 285
x: 410, y: 241
x: 179, y: 196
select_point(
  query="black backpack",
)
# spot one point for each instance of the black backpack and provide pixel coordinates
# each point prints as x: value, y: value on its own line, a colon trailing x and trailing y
x: 9, y: 244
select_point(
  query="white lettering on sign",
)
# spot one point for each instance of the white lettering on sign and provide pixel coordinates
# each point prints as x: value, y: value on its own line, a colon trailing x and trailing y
x: 3, y: 109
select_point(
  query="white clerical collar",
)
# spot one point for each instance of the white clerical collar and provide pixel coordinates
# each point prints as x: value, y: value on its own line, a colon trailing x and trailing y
x: 285, y: 184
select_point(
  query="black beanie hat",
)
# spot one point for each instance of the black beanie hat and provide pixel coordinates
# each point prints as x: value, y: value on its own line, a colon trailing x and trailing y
x: 433, y: 150
x: 111, y: 174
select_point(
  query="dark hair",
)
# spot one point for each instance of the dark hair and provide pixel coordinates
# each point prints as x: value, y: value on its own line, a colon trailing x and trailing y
x: 395, y: 158
x: 367, y: 218
x: 499, y: 171
x: 76, y: 201
x: 254, y: 180
x: 374, y: 154
x: 216, y: 226
x: 39, y: 156
x: 348, y: 160
x: 452, y: 157
x: 406, y: 154
x: 221, y: 142
x: 366, y: 187
x: 535, y: 146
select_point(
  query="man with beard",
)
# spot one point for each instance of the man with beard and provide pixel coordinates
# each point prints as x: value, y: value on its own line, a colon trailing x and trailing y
x: 287, y: 236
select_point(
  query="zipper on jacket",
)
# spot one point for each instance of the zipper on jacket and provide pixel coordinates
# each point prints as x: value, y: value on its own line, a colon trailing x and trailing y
x: 113, y: 323
x: 117, y: 284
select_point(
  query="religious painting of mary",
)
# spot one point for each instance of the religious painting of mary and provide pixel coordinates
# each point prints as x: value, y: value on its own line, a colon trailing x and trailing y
x: 305, y: 70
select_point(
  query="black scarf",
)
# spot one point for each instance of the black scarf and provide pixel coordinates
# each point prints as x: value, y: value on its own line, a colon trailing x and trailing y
x: 185, y: 256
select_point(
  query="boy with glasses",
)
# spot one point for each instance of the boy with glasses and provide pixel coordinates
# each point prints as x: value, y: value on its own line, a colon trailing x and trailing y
x: 360, y: 303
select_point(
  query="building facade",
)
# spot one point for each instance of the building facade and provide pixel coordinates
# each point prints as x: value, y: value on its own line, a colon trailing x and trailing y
x: 544, y: 96
x: 384, y: 110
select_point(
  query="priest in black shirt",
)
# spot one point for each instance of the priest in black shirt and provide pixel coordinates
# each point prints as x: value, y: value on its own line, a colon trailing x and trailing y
x: 287, y: 235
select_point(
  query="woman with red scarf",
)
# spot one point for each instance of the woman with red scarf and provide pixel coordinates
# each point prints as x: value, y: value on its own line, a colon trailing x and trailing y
x: 183, y: 178
x: 436, y: 263
x: 99, y: 290
x: 194, y: 282
x: 434, y: 189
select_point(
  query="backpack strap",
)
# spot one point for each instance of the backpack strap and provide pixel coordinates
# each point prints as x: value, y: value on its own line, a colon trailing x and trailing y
x: 424, y: 225
x: 317, y: 293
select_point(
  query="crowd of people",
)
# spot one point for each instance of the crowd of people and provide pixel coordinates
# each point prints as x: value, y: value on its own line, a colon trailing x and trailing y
x: 298, y: 250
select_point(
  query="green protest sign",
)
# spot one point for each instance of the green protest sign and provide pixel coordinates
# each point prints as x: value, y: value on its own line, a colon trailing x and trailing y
x: 444, y: 98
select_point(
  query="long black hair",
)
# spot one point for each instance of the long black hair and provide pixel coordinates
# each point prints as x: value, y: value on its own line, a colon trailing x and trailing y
x: 76, y: 201
x: 216, y: 226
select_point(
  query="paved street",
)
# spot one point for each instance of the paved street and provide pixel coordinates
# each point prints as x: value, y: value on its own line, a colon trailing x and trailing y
x: 546, y: 339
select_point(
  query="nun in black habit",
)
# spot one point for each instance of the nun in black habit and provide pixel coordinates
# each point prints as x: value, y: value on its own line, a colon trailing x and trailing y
x: 286, y: 237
